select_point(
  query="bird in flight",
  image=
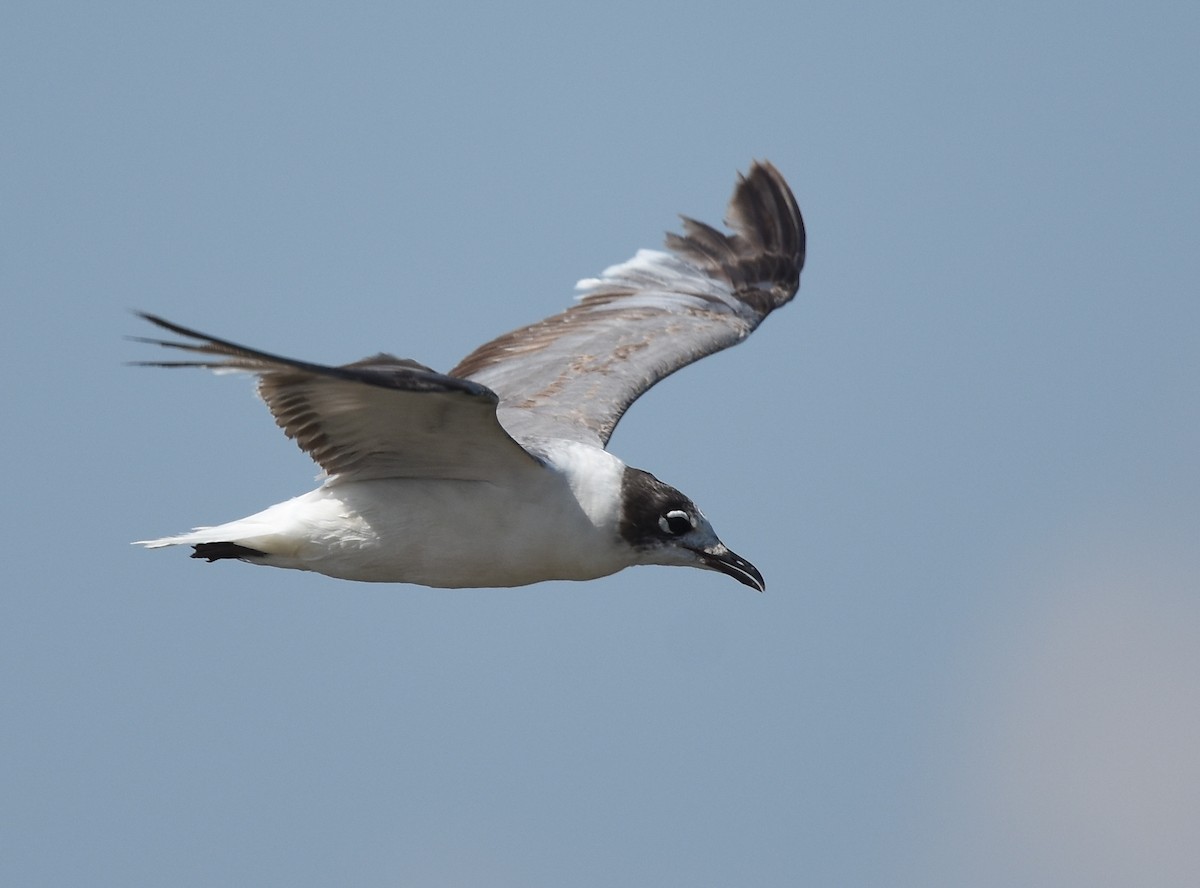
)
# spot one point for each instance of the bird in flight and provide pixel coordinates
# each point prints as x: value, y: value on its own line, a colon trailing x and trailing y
x: 497, y: 473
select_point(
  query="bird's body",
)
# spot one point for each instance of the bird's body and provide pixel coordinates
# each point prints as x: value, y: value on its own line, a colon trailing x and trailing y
x: 496, y: 474
x: 449, y: 533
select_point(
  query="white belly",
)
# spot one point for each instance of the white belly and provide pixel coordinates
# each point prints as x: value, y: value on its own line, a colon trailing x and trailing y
x: 558, y: 520
x: 435, y: 533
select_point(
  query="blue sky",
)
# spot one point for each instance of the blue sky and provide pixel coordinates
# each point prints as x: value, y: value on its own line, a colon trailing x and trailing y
x: 964, y: 458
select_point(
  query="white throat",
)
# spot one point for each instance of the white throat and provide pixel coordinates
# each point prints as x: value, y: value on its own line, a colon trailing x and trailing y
x: 594, y: 477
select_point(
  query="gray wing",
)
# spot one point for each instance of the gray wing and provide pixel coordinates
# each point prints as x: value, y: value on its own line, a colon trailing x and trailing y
x: 573, y: 375
x: 381, y: 417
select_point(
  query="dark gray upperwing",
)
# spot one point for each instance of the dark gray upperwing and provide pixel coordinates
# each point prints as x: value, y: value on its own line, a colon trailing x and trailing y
x: 381, y: 417
x: 573, y: 375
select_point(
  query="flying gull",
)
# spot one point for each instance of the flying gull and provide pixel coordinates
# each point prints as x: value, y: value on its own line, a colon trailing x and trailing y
x: 496, y: 473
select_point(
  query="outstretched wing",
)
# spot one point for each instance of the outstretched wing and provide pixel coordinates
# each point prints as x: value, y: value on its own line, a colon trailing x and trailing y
x: 573, y: 375
x: 381, y: 417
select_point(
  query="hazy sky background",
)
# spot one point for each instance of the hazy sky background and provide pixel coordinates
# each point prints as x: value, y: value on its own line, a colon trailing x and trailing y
x: 965, y: 458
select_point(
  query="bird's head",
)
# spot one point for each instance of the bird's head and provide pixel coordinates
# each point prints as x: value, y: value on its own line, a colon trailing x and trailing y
x: 664, y: 527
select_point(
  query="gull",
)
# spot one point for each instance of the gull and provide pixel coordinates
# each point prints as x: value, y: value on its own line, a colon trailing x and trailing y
x: 496, y: 474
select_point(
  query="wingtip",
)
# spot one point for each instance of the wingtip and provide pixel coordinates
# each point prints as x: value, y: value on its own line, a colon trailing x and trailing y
x: 764, y: 203
x: 763, y: 256
x: 178, y: 329
x: 150, y: 316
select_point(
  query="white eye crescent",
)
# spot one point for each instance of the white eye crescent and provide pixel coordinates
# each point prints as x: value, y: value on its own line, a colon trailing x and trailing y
x: 676, y: 522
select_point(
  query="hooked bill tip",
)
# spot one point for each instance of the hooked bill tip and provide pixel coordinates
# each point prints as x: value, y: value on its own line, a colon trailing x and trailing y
x: 724, y: 560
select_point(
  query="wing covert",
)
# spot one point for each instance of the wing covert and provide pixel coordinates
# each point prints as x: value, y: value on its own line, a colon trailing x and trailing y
x: 381, y: 417
x: 574, y: 374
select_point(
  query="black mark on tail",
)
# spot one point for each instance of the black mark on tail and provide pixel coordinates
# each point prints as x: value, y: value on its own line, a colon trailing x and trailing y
x: 216, y: 551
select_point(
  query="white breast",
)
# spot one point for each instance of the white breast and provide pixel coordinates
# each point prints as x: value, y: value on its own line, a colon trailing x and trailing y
x: 558, y: 521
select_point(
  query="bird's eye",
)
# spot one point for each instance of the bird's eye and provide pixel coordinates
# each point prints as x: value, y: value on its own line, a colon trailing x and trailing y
x: 675, y: 522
